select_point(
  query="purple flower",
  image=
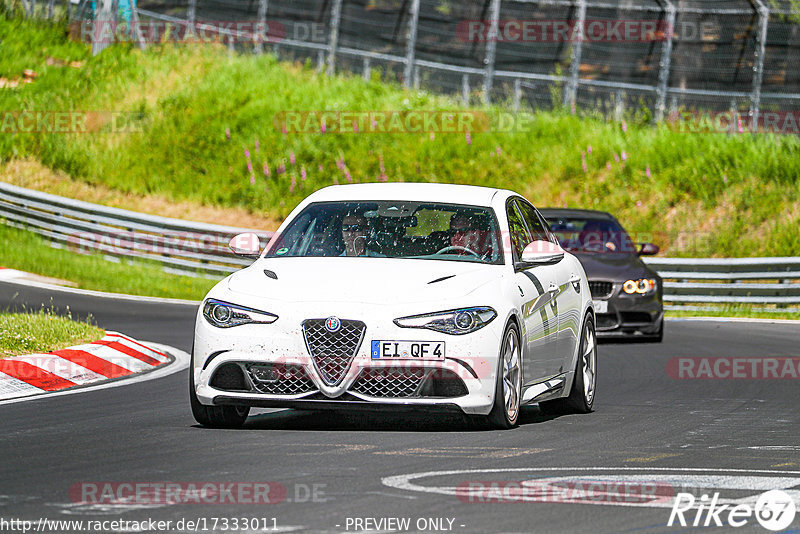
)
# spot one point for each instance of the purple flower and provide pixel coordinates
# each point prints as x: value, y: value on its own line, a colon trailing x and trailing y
x: 258, y: 145
x: 624, y: 127
x: 469, y: 139
x: 432, y: 136
x: 266, y: 169
x: 608, y: 165
x: 647, y: 171
x: 616, y: 158
x: 303, y: 174
x: 252, y: 177
x: 228, y: 134
x: 340, y: 164
x: 585, y: 168
x: 624, y: 156
x: 380, y: 164
x: 589, y: 149
x: 292, y: 185
x: 347, y: 175
x: 725, y: 178
x: 322, y: 127
x: 246, y: 153
x: 355, y: 128
x: 250, y: 166
x: 283, y: 130
x: 497, y: 150
x: 291, y: 158
x: 319, y: 167
x: 281, y: 168
x: 638, y: 203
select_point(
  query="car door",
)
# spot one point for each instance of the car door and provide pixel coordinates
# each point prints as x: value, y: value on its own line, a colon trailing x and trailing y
x: 539, y: 309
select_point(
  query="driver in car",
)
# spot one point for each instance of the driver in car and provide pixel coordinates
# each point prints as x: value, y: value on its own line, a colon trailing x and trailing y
x: 465, y: 235
x: 354, y: 235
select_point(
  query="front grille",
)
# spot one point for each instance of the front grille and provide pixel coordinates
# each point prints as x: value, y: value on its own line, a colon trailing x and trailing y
x: 388, y: 382
x: 332, y: 352
x: 600, y: 290
x: 636, y: 317
x: 279, y: 379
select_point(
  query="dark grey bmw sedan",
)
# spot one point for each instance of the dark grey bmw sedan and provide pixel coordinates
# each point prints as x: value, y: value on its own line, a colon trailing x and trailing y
x: 627, y: 294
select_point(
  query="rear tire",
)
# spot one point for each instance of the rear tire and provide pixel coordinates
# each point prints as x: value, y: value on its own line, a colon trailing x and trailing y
x: 508, y: 387
x: 581, y: 396
x: 215, y: 416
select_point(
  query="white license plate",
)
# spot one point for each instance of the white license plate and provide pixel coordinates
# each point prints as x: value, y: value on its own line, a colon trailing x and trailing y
x: 600, y: 306
x: 408, y: 350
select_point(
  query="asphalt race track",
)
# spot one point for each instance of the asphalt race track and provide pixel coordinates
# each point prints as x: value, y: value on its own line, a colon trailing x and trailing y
x: 737, y: 437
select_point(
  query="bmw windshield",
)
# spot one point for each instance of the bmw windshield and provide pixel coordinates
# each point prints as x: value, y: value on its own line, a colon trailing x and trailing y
x: 592, y: 235
x: 385, y: 229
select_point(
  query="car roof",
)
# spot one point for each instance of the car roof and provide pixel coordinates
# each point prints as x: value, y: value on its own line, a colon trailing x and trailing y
x: 573, y: 212
x: 428, y: 192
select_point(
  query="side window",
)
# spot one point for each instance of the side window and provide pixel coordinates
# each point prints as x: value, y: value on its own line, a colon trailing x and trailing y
x: 520, y: 238
x: 550, y: 235
x: 535, y: 226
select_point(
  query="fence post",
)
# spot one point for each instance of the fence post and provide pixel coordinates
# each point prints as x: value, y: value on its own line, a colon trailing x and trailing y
x: 491, y: 50
x: 333, y: 41
x: 26, y: 6
x: 758, y: 66
x: 263, y: 5
x: 575, y: 60
x: 517, y: 95
x: 664, y: 65
x: 411, y: 42
x: 137, y: 27
x: 51, y: 9
x: 104, y: 17
x: 191, y: 13
x: 367, y: 69
x: 465, y: 89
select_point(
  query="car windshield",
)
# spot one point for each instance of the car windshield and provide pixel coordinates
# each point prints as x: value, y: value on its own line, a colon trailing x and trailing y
x: 392, y: 230
x: 594, y: 235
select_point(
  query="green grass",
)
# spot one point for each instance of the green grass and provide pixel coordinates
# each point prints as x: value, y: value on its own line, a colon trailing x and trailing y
x: 43, y: 331
x: 740, y: 310
x: 693, y: 194
x: 28, y: 252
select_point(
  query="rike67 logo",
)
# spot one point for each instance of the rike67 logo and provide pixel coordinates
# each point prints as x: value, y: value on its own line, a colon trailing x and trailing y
x: 774, y: 510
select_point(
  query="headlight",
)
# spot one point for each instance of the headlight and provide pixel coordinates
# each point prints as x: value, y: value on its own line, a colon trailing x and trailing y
x: 225, y: 315
x: 642, y: 286
x: 456, y: 322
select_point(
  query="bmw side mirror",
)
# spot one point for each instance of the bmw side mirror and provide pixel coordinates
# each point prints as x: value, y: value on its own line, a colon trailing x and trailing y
x: 247, y: 245
x: 648, y: 249
x: 542, y: 253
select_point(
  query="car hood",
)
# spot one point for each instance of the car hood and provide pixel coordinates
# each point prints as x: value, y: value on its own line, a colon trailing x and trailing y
x: 363, y: 280
x: 616, y: 267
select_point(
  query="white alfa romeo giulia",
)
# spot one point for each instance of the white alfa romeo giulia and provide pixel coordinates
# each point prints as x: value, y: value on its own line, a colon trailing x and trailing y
x: 399, y: 296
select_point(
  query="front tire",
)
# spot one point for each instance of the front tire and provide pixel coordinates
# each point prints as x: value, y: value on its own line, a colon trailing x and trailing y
x: 508, y: 387
x: 215, y: 416
x: 581, y: 396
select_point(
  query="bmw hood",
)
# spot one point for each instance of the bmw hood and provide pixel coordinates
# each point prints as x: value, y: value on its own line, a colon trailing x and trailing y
x: 617, y: 267
x: 362, y: 280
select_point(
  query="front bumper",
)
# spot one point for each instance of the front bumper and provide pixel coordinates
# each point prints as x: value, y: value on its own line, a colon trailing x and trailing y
x: 630, y: 315
x: 467, y: 371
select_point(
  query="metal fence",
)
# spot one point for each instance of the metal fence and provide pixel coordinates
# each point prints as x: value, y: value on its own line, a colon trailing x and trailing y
x: 721, y: 55
x: 202, y: 249
x: 183, y: 247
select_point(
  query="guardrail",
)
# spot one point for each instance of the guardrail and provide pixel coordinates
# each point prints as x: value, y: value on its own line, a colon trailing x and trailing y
x: 185, y: 247
x: 202, y: 249
x: 730, y: 281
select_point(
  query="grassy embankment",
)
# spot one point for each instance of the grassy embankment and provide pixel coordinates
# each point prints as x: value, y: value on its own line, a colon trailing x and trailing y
x: 206, y: 118
x: 42, y: 331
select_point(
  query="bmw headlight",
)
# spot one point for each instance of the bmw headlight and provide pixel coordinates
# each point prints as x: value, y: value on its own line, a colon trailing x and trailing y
x: 642, y: 286
x: 456, y: 322
x: 225, y: 315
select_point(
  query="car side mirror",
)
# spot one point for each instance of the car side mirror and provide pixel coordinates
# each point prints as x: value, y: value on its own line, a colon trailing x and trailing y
x: 648, y: 249
x: 542, y: 253
x: 247, y: 245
